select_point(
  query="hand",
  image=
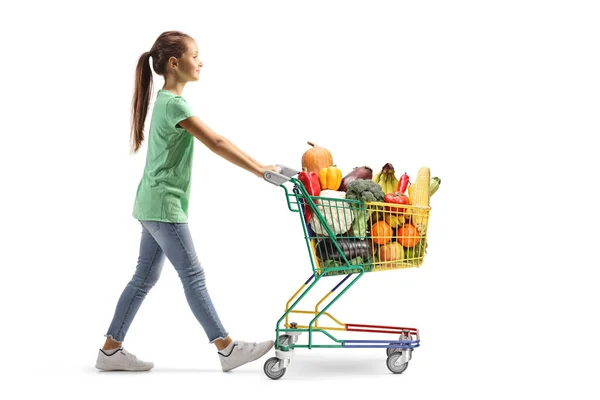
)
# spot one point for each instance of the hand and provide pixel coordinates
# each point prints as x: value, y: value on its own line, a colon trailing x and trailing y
x: 273, y: 168
x: 264, y: 168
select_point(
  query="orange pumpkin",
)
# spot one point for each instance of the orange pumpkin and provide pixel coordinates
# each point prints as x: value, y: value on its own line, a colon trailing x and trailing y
x: 408, y: 235
x: 316, y: 158
x: 381, y: 232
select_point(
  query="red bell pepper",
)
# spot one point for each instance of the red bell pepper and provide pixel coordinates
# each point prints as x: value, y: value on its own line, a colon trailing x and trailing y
x: 310, y: 180
x: 402, y: 183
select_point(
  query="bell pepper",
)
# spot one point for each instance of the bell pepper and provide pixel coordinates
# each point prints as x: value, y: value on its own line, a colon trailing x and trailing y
x: 330, y: 177
x: 403, y: 183
x: 310, y: 180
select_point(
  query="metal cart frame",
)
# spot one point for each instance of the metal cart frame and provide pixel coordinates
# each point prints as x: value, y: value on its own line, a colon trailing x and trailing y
x: 327, y: 228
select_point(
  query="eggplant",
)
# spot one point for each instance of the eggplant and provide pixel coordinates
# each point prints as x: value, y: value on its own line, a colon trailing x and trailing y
x: 357, y: 173
x: 351, y: 247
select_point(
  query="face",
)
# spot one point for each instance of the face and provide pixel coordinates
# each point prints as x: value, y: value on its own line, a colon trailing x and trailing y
x: 188, y: 66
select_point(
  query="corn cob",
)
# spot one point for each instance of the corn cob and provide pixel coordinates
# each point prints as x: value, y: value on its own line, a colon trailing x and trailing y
x: 421, y: 200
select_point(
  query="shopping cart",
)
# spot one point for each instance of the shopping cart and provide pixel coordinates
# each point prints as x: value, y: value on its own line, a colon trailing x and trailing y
x: 347, y: 238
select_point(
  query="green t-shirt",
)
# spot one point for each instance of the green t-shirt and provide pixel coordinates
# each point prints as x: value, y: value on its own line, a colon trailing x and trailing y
x: 164, y: 190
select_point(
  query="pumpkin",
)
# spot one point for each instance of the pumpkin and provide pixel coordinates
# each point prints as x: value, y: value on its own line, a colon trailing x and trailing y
x: 316, y: 158
x: 381, y: 232
x: 408, y: 235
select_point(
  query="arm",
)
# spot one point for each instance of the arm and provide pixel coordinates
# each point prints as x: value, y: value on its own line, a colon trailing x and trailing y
x: 223, y: 147
x: 242, y: 153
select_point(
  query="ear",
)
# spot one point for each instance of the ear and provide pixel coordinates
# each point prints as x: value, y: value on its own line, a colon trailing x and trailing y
x: 172, y: 62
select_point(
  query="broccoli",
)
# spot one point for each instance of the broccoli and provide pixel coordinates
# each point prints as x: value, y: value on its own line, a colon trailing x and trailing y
x: 364, y: 190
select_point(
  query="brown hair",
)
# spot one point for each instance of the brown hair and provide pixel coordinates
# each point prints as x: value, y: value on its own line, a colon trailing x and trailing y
x: 168, y: 44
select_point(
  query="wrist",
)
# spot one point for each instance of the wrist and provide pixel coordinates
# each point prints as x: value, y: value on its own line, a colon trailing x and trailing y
x: 260, y: 172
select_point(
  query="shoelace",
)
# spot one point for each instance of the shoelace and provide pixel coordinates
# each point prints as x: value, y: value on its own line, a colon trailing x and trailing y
x: 131, y: 357
x: 128, y: 354
x: 241, y: 344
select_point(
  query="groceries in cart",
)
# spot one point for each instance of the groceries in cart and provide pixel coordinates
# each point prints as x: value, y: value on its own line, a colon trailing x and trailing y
x: 379, y: 219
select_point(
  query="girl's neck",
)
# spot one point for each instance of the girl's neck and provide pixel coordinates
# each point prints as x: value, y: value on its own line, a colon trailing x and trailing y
x: 174, y: 87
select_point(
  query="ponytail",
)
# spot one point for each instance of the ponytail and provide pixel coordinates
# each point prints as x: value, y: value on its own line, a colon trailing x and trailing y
x: 168, y: 44
x: 141, y: 100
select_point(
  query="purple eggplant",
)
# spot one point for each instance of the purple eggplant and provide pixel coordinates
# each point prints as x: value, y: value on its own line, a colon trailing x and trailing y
x: 357, y: 173
x: 351, y: 247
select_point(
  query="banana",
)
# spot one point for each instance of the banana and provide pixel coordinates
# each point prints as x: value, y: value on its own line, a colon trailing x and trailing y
x: 382, y: 182
x: 393, y: 182
x: 386, y: 183
x: 386, y: 178
x: 377, y: 177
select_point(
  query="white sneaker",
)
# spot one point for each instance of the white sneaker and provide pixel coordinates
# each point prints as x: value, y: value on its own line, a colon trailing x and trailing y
x: 121, y: 360
x: 244, y: 352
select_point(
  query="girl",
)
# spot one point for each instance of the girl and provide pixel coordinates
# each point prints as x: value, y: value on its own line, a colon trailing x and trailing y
x: 162, y: 199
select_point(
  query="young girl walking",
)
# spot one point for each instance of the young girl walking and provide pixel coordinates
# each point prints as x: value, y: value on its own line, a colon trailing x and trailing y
x: 162, y: 199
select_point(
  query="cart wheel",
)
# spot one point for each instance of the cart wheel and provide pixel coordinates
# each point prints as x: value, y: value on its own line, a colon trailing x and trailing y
x: 391, y: 363
x: 391, y: 350
x: 272, y: 369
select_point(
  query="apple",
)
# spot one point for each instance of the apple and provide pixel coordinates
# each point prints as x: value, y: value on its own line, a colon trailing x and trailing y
x: 391, y: 252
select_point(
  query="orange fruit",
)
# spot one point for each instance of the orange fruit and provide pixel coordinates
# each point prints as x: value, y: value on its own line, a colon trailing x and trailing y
x: 408, y: 235
x: 381, y: 232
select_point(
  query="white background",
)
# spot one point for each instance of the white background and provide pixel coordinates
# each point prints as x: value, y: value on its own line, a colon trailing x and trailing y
x: 500, y: 99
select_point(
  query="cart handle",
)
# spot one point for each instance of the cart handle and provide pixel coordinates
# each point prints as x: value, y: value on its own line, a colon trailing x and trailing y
x: 279, y: 178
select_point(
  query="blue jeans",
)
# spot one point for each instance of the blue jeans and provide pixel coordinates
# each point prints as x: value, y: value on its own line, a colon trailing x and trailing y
x: 173, y: 240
